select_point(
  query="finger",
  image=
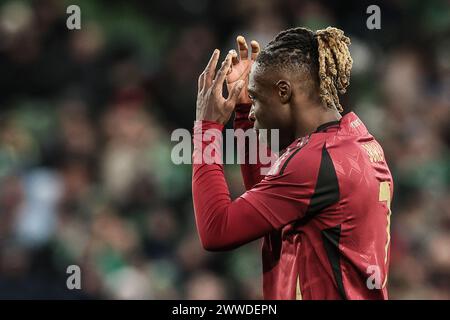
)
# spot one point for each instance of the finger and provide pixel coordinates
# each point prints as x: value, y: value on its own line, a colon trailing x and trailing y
x: 234, y: 94
x: 222, y: 73
x: 234, y: 57
x: 210, y: 69
x: 234, y: 60
x: 243, y: 48
x: 230, y: 69
x: 255, y: 49
x: 201, y: 81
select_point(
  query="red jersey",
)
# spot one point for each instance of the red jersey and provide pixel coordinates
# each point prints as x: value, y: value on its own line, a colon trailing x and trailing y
x: 323, y: 210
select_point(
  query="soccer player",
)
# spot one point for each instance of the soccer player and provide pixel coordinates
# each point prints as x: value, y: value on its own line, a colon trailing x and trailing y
x: 324, y: 207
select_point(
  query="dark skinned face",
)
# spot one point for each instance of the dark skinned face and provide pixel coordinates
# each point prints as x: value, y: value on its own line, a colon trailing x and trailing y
x: 271, y: 98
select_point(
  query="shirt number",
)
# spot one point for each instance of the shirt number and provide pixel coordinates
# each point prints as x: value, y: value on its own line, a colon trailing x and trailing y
x: 385, y: 195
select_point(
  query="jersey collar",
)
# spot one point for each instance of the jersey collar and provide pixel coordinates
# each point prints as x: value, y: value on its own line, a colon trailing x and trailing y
x: 326, y: 125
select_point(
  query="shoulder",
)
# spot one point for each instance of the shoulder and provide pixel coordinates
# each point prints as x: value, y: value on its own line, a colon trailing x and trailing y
x: 302, y: 158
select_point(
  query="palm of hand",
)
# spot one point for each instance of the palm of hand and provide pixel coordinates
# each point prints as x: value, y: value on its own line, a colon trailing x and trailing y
x: 240, y: 71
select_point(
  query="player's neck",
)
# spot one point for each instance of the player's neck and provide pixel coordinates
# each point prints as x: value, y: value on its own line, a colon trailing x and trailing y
x: 309, y: 120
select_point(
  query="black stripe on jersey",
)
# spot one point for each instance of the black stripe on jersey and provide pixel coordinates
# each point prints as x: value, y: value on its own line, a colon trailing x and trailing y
x: 322, y: 127
x: 326, y: 191
x: 330, y: 238
x: 288, y: 159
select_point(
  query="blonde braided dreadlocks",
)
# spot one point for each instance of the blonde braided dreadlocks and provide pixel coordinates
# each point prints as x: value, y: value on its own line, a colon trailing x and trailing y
x: 335, y: 64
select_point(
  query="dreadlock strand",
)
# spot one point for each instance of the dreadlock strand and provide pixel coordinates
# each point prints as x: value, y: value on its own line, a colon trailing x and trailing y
x: 335, y: 65
x: 324, y: 55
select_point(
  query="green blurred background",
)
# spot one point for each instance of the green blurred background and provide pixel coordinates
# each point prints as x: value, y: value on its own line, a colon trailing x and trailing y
x: 85, y: 123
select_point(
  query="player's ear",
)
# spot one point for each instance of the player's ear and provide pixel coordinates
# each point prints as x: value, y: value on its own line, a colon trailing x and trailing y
x: 284, y: 91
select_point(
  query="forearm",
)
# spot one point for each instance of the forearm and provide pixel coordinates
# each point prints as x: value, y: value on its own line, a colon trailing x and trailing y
x: 251, y: 173
x: 222, y: 224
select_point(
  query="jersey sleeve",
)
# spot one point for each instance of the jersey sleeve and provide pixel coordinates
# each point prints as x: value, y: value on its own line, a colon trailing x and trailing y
x: 222, y: 224
x: 251, y: 173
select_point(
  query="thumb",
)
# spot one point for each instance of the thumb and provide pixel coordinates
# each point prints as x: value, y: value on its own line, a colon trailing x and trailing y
x: 234, y: 94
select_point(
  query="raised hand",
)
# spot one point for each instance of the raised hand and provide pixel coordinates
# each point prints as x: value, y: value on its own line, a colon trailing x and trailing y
x: 241, y: 65
x: 211, y: 105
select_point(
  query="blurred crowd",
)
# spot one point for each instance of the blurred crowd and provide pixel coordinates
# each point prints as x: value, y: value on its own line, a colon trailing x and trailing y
x: 85, y: 122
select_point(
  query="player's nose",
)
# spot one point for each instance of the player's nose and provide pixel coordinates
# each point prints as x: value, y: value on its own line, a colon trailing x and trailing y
x: 251, y: 115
